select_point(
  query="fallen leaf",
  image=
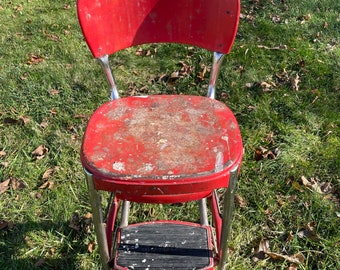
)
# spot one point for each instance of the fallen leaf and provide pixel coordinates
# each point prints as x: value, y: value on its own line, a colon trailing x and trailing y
x: 262, y: 249
x: 291, y: 198
x: 270, y: 138
x: 295, y: 82
x: 280, y: 201
x: 315, y: 185
x: 88, y: 215
x: 34, y: 59
x: 276, y: 18
x: 292, y: 267
x: 47, y: 184
x: 52, y: 37
x: 266, y: 87
x: 54, y: 92
x: 25, y: 119
x: 296, y: 258
x: 53, y: 112
x: 4, y: 164
x: 2, y: 153
x: 75, y: 221
x: 49, y: 172
x: 240, y: 201
x: 290, y: 237
x: 44, y: 124
x: 91, y: 246
x: 262, y: 153
x: 17, y: 184
x: 40, y: 152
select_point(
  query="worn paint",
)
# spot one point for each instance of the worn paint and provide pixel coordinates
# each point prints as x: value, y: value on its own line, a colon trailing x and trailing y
x: 163, y: 136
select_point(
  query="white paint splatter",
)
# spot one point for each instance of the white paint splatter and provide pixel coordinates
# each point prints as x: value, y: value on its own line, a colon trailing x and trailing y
x: 118, y: 166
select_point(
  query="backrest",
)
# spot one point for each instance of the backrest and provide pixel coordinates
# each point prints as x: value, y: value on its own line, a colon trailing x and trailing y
x: 112, y: 25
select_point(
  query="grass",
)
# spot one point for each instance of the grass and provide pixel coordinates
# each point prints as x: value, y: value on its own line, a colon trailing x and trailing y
x: 281, y: 80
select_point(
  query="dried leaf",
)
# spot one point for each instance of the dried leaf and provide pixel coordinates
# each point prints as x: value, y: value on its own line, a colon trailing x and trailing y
x: 4, y: 164
x: 88, y: 215
x: 40, y: 152
x: 296, y: 258
x: 262, y: 153
x: 280, y: 201
x: 75, y: 221
x: 266, y: 87
x: 317, y: 186
x: 53, y: 112
x: 54, y: 92
x: 292, y: 267
x: 17, y: 184
x: 44, y: 124
x: 53, y: 37
x: 25, y: 119
x: 2, y: 153
x: 262, y: 249
x: 291, y: 198
x: 240, y: 201
x: 290, y: 237
x: 47, y: 184
x: 91, y: 246
x: 49, y: 172
x: 295, y: 82
x: 34, y: 59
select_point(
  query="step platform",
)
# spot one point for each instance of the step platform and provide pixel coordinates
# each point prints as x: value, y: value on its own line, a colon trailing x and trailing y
x: 164, y: 245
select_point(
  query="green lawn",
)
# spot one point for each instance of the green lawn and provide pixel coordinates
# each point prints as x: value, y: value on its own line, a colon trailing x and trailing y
x: 281, y: 80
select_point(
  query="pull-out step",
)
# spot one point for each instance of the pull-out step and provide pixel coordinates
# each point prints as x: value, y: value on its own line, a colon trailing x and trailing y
x: 165, y: 245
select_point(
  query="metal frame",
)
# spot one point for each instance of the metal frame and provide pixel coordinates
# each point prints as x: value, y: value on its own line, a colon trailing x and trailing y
x: 217, y: 61
x: 104, y: 61
x: 228, y: 207
x: 98, y: 221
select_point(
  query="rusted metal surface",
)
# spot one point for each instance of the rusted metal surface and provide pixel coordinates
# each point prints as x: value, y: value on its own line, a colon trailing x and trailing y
x: 160, y: 136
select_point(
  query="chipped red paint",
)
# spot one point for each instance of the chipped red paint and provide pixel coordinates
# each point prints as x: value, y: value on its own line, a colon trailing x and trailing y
x: 109, y: 26
x: 161, y: 139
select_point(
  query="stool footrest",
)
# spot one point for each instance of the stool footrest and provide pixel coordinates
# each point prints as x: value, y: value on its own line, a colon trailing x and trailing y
x: 165, y: 245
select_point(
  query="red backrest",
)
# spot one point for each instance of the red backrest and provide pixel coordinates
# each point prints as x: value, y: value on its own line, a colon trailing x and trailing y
x: 112, y: 25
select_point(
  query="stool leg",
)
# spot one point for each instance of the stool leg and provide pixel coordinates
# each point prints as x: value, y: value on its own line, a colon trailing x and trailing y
x: 98, y: 222
x: 228, y: 207
x: 125, y: 214
x: 203, y: 212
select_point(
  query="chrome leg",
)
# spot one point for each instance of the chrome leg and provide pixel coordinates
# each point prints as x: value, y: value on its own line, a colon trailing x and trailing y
x: 98, y: 222
x: 125, y: 214
x: 228, y: 207
x: 203, y: 212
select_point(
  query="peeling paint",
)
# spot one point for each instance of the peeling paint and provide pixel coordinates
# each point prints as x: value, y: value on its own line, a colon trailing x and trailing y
x: 118, y: 166
x: 219, y: 162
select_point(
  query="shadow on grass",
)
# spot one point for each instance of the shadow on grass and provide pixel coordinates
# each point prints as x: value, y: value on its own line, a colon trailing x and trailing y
x: 60, y: 248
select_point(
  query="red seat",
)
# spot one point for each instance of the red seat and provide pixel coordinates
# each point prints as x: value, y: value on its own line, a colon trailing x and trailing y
x: 161, y: 148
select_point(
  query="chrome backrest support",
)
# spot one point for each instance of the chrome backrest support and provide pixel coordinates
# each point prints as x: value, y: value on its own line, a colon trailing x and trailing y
x: 104, y: 61
x: 217, y: 61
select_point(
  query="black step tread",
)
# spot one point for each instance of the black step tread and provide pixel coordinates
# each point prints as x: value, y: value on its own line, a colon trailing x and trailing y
x: 164, y: 246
